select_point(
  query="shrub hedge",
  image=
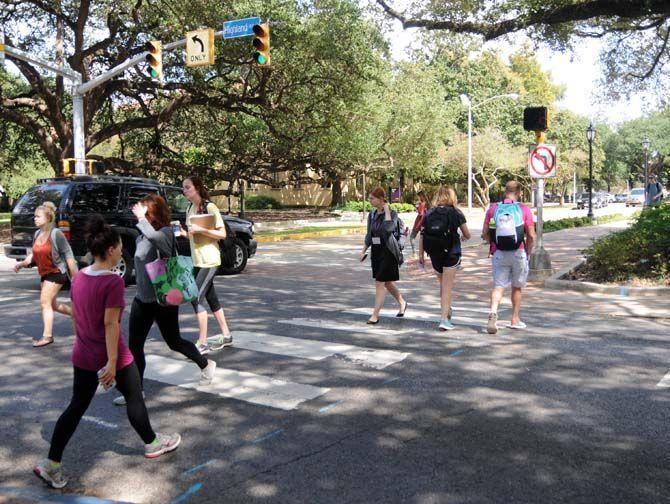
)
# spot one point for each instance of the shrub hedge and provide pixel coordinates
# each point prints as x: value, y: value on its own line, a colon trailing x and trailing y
x: 641, y: 251
x: 358, y: 206
x: 261, y: 203
x: 573, y: 222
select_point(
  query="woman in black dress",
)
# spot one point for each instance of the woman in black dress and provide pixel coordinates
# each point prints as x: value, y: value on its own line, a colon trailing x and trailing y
x: 386, y: 255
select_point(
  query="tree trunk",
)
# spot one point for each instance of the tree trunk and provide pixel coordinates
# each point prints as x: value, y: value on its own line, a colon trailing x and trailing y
x: 336, y: 192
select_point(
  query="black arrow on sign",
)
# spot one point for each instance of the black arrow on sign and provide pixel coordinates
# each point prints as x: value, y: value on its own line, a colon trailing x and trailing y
x: 196, y: 39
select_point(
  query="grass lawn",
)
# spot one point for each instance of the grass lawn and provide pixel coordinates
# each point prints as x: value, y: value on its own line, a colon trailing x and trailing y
x: 4, y: 217
x: 307, y: 229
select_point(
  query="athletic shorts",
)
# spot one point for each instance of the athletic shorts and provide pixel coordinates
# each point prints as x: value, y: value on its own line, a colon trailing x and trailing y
x: 58, y: 278
x: 445, y: 261
x: 510, y: 267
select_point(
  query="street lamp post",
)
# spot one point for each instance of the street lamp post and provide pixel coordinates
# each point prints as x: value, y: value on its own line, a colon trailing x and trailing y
x: 465, y: 100
x: 645, y: 145
x: 590, y: 135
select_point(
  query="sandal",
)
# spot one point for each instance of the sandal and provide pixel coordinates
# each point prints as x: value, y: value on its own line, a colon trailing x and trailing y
x: 43, y: 342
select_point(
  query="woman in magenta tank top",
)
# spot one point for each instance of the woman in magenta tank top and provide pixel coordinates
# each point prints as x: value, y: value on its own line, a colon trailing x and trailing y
x: 100, y: 356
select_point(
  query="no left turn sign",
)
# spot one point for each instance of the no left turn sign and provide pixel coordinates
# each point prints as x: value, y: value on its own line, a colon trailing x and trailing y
x: 542, y: 161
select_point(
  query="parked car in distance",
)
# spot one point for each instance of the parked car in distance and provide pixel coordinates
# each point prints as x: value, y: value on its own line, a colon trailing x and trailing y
x: 636, y: 197
x: 610, y: 197
x: 598, y: 200
x: 620, y: 198
x: 112, y: 196
x: 603, y: 198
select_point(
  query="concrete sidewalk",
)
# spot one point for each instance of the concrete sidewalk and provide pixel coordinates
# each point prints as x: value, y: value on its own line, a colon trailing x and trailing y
x: 565, y: 248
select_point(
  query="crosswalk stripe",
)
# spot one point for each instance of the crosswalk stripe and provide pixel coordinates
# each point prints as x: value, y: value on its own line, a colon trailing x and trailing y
x: 413, y: 314
x: 338, y: 326
x: 249, y: 387
x: 315, y: 349
x: 665, y: 381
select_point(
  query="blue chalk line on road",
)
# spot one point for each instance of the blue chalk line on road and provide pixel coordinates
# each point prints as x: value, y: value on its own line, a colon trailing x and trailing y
x: 101, y: 423
x: 187, y: 494
x: 198, y: 467
x: 39, y: 495
x: 330, y: 406
x: 268, y: 436
x: 391, y: 380
x: 457, y: 352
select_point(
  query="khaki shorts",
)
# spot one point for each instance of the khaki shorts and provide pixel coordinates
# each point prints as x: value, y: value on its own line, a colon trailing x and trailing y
x: 510, y: 267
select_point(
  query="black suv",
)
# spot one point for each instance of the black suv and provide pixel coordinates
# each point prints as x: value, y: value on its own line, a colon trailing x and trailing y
x: 76, y: 198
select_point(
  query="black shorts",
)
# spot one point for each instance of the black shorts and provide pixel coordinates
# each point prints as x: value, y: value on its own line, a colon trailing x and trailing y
x: 445, y: 261
x: 58, y: 278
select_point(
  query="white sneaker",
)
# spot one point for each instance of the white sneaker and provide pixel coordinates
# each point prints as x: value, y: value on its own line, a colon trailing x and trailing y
x: 52, y: 475
x: 492, y: 326
x: 446, y: 325
x: 121, y: 401
x: 207, y: 374
x: 164, y: 443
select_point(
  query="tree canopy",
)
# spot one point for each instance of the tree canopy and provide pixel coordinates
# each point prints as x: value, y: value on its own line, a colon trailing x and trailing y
x: 636, y: 32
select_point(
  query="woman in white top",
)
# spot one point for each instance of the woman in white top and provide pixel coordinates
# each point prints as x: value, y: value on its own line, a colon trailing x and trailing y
x: 206, y: 256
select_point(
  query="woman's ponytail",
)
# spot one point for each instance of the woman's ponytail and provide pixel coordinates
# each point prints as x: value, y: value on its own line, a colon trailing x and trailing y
x: 100, y: 236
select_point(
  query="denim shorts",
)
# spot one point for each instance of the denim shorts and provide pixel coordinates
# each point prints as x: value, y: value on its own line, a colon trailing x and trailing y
x: 510, y: 267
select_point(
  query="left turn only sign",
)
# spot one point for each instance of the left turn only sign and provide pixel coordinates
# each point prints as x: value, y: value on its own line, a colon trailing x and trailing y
x: 200, y: 47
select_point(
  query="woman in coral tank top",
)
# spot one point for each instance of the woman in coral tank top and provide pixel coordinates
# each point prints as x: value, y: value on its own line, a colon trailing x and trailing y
x: 54, y: 260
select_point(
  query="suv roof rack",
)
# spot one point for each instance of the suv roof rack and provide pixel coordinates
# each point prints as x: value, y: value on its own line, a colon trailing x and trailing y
x: 109, y: 178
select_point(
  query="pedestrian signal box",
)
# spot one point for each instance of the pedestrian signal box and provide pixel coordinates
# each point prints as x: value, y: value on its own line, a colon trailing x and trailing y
x: 535, y: 119
x: 93, y: 166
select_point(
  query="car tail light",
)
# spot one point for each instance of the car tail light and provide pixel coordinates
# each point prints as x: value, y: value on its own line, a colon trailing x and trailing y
x: 64, y: 226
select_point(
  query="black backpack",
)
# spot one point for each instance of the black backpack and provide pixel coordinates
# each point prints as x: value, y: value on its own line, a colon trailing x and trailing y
x: 439, y: 232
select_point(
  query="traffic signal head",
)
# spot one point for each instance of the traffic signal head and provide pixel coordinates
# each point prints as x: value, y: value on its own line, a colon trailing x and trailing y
x: 535, y: 119
x: 155, y: 59
x: 68, y: 166
x: 261, y: 42
x: 93, y: 166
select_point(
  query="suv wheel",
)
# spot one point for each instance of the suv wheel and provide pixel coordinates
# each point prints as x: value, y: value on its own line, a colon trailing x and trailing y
x: 124, y: 268
x: 241, y: 256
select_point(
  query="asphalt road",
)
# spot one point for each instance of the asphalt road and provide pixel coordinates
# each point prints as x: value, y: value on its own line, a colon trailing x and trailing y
x: 568, y: 410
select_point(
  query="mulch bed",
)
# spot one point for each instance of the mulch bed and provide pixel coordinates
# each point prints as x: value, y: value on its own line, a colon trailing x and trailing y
x: 582, y: 274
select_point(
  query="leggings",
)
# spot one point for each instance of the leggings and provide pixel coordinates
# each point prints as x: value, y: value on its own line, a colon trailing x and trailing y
x: 204, y: 278
x: 142, y: 317
x: 83, y: 389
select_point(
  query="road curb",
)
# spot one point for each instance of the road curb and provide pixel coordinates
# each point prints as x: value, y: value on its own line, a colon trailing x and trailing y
x: 556, y: 282
x: 306, y: 236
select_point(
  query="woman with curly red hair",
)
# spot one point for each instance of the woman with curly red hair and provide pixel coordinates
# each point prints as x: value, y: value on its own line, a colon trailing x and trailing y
x: 156, y: 236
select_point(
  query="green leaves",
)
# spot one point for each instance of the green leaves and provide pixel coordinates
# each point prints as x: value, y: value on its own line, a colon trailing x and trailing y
x: 641, y: 251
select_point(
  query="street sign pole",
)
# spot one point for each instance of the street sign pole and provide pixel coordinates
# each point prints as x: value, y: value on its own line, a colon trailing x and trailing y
x: 539, y: 262
x: 78, y: 134
x: 540, y: 204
